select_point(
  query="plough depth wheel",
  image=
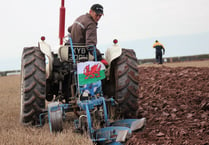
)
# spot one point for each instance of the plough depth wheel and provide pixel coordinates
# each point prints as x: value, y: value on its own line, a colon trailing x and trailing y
x: 55, y: 115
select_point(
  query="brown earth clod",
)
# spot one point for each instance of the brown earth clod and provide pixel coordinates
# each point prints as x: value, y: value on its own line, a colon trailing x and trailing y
x: 175, y: 102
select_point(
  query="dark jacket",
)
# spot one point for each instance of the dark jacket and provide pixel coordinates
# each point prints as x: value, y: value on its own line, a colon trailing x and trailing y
x: 84, y: 30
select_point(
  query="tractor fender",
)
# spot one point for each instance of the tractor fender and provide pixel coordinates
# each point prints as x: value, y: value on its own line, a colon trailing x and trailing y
x: 112, y: 53
x: 46, y: 50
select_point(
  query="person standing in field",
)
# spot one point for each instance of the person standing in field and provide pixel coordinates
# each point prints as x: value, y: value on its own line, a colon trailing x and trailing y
x: 158, y: 51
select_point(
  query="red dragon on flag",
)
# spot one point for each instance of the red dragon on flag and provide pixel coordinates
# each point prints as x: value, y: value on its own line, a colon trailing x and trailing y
x: 92, y: 72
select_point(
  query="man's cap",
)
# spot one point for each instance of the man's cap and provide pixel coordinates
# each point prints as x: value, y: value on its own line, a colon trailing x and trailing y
x: 97, y: 8
x: 156, y: 40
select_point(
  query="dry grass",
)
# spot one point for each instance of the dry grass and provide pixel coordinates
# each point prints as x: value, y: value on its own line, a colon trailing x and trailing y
x: 13, y: 133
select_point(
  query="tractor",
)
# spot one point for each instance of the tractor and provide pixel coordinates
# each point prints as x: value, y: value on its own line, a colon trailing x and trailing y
x: 72, y: 80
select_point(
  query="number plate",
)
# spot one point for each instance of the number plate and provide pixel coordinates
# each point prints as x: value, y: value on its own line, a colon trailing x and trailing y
x: 79, y: 51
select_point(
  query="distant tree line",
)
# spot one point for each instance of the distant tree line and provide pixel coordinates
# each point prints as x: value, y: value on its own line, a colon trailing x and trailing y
x: 177, y: 59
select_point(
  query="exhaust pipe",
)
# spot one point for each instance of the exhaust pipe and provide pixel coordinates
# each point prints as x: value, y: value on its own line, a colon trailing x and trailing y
x: 62, y: 22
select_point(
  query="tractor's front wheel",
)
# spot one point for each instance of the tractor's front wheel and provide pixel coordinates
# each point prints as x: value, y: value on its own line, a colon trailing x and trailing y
x: 33, y: 86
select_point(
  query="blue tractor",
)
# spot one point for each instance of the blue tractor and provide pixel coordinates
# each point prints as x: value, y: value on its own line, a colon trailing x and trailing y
x: 72, y: 80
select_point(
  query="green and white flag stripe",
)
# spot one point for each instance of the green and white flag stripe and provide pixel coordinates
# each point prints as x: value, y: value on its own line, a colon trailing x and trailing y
x: 90, y: 72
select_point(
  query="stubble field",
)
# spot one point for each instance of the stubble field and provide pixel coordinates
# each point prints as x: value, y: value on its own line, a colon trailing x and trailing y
x: 13, y: 133
x: 174, y: 98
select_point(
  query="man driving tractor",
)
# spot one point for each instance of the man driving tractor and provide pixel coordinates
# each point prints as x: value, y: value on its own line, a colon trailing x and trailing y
x: 84, y: 29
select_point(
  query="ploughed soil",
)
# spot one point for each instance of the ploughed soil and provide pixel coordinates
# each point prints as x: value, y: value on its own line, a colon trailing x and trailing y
x: 175, y: 102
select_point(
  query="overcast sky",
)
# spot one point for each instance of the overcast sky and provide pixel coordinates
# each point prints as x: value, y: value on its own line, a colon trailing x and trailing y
x: 23, y: 22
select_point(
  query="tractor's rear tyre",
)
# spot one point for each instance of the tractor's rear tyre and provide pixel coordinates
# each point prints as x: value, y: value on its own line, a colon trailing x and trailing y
x: 125, y: 72
x: 33, y: 86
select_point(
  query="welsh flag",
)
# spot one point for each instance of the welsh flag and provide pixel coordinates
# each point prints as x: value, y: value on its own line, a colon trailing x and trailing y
x: 90, y: 72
